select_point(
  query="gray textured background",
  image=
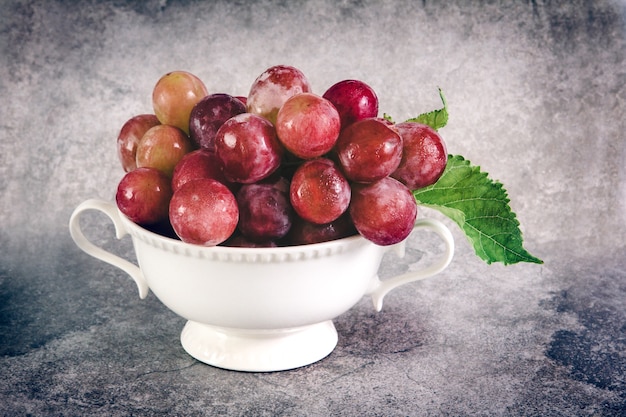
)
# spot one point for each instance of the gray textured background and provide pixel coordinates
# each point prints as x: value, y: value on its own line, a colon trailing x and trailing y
x: 536, y: 93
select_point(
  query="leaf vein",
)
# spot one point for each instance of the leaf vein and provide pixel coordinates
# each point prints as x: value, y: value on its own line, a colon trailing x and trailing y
x: 480, y: 206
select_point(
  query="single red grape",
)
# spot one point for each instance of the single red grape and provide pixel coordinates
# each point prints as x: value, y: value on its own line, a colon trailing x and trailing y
x: 265, y: 213
x: 383, y: 212
x: 319, y: 192
x: 308, y: 125
x: 203, y: 212
x: 162, y: 147
x: 173, y: 97
x: 354, y: 101
x: 424, y: 155
x: 248, y: 148
x: 197, y: 164
x: 369, y: 150
x: 143, y: 195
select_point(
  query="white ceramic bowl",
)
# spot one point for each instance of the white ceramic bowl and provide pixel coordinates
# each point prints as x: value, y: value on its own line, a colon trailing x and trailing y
x: 256, y: 309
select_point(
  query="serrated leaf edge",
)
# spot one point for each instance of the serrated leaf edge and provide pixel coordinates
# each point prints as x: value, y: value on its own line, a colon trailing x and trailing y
x: 463, y: 222
x: 436, y: 123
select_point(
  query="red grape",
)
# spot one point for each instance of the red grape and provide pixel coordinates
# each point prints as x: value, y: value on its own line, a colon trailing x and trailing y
x: 131, y: 133
x: 354, y: 101
x: 319, y: 192
x: 273, y: 87
x: 203, y: 212
x: 209, y: 114
x: 369, y: 150
x: 162, y: 147
x: 143, y: 195
x: 248, y: 148
x: 173, y: 97
x: 240, y: 241
x: 197, y: 164
x: 303, y: 232
x: 265, y: 213
x: 424, y: 155
x: 308, y: 125
x: 383, y: 212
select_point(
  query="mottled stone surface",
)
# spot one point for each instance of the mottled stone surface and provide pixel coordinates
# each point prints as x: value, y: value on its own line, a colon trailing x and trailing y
x: 537, y: 97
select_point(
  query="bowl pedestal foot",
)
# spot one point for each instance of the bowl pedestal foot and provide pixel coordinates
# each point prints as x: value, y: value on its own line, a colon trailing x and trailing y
x: 255, y: 350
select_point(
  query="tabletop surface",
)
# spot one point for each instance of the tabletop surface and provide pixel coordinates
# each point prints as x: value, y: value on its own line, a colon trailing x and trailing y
x: 536, y: 93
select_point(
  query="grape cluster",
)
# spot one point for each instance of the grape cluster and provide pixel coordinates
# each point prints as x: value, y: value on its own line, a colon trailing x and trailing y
x: 280, y: 166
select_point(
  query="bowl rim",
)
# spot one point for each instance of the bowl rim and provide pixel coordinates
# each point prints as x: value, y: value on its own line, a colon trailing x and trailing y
x: 235, y: 253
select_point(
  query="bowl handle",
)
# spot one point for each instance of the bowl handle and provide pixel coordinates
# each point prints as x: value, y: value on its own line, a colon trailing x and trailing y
x: 380, y: 288
x: 83, y: 243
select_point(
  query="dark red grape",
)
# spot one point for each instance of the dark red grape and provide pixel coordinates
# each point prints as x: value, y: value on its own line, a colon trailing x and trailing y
x: 209, y: 114
x: 303, y: 232
x: 354, y: 101
x: 265, y: 213
x: 240, y: 241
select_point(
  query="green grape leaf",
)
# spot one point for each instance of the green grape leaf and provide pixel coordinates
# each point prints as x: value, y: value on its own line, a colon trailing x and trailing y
x: 480, y: 206
x: 436, y: 118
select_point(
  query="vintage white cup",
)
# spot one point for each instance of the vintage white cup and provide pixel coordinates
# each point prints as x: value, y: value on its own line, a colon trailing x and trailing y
x: 257, y: 309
